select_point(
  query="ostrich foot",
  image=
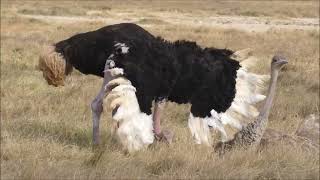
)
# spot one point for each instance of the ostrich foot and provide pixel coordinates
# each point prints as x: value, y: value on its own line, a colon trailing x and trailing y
x: 165, y: 136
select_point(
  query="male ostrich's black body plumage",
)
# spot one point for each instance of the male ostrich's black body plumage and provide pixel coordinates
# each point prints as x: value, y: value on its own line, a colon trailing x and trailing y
x: 89, y: 51
x: 181, y: 72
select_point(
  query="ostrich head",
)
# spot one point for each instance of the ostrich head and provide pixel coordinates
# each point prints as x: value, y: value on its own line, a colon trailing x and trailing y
x: 278, y: 62
x: 53, y: 66
x: 133, y: 128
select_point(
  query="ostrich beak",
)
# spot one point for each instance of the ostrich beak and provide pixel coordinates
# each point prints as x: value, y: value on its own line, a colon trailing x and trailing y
x: 282, y: 61
x: 279, y: 59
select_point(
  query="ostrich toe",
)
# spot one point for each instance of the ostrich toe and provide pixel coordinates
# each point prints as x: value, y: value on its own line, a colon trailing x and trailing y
x: 165, y: 136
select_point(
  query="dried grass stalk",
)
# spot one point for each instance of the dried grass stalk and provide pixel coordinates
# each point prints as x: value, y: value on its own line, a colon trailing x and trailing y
x: 53, y: 66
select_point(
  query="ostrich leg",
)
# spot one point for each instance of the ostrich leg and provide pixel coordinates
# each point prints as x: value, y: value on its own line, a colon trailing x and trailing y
x: 165, y: 135
x: 96, y: 104
x: 97, y: 108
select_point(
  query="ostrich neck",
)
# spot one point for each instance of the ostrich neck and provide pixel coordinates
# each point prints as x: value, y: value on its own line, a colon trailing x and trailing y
x: 264, y: 113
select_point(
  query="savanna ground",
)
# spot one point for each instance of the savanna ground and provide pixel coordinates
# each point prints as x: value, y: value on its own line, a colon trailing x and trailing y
x: 46, y: 131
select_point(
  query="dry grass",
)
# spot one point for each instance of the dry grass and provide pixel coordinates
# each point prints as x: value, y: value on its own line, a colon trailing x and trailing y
x: 46, y: 131
x: 243, y: 8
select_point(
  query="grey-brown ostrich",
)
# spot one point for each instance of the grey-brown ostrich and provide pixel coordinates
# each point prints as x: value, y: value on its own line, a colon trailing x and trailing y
x: 251, y: 134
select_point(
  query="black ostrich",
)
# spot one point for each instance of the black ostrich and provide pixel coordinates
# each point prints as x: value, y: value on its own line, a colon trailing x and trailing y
x: 216, y: 85
x: 219, y: 90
